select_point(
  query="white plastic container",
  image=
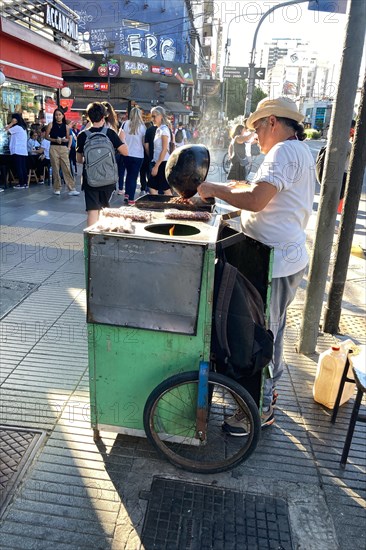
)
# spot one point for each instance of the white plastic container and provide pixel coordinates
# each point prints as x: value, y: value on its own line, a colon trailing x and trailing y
x: 329, y: 373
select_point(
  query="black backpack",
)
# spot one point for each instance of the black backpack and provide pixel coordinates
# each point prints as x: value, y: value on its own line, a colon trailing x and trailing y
x: 179, y: 136
x: 241, y: 345
x: 319, y: 163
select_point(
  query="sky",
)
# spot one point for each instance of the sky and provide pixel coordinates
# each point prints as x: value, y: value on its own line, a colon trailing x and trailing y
x: 325, y: 31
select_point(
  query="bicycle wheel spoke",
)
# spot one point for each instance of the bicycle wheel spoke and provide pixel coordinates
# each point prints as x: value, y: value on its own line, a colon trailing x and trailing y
x: 170, y: 423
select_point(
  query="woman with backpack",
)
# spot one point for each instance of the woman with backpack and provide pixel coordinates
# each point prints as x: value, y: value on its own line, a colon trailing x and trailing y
x: 237, y: 154
x: 157, y: 181
x: 133, y: 133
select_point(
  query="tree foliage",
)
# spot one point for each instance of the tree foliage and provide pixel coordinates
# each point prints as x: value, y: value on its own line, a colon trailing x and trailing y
x: 258, y: 95
x: 235, y: 92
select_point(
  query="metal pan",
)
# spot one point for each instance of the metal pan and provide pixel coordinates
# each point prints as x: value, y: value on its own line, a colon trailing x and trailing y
x: 187, y: 168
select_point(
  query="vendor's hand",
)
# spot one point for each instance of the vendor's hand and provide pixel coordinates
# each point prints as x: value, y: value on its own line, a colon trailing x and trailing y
x: 59, y: 140
x: 154, y: 170
x: 206, y: 190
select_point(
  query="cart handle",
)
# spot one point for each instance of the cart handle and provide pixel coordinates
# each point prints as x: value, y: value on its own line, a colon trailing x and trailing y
x: 228, y: 241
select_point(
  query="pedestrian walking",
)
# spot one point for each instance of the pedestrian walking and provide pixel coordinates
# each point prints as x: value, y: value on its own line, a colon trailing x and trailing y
x: 133, y: 131
x: 17, y: 129
x: 59, y: 135
x: 157, y: 181
x: 98, y: 195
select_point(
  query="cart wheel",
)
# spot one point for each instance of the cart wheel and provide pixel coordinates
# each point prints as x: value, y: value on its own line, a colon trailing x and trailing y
x: 226, y: 163
x: 170, y: 423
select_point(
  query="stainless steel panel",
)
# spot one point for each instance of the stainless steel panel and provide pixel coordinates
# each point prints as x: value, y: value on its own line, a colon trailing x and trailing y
x: 149, y: 284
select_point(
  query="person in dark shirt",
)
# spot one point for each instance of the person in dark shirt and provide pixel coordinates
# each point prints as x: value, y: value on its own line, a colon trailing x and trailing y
x: 149, y: 152
x: 97, y: 198
x: 59, y: 135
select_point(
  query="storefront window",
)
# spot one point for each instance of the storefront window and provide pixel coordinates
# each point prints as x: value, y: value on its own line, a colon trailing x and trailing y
x: 30, y: 101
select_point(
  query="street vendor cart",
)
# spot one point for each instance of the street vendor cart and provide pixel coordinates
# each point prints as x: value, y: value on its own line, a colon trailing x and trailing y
x: 149, y: 314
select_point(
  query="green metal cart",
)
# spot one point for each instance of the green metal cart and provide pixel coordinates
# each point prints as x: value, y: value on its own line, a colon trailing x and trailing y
x: 149, y: 314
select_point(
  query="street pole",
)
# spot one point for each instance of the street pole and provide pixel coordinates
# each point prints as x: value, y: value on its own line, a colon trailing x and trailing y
x: 224, y: 84
x: 108, y: 51
x: 348, y: 220
x: 333, y: 173
x: 251, y: 79
x: 109, y: 83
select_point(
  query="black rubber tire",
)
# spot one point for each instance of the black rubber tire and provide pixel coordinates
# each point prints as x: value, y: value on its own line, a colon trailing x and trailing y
x: 226, y: 163
x: 170, y: 412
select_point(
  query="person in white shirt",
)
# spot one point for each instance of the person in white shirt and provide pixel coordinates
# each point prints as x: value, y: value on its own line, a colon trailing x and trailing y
x: 275, y: 211
x: 157, y: 181
x: 45, y: 157
x: 35, y: 155
x: 45, y: 143
x: 180, y: 135
x: 17, y: 129
x: 133, y: 132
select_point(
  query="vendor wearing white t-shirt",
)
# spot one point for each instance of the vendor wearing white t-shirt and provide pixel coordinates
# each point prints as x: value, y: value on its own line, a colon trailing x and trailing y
x: 275, y: 211
x: 157, y: 181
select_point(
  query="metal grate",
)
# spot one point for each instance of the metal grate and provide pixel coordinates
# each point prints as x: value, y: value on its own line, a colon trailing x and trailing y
x: 17, y: 448
x: 189, y: 516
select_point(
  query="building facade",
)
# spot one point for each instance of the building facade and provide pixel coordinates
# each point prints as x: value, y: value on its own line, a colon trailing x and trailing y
x: 142, y: 53
x: 38, y: 47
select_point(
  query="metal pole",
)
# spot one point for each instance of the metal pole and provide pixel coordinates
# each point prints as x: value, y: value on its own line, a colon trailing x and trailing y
x: 109, y: 83
x: 251, y: 80
x: 223, y: 88
x: 333, y: 173
x: 348, y: 220
x: 224, y: 84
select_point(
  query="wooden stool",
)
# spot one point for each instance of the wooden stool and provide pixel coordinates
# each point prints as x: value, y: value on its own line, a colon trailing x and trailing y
x: 10, y: 178
x: 32, y: 174
x: 358, y: 364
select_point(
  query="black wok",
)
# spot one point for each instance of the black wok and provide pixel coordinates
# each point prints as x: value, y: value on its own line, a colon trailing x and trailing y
x: 187, y: 168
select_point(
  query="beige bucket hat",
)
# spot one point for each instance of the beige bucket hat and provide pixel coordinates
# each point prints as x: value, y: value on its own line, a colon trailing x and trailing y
x: 281, y: 107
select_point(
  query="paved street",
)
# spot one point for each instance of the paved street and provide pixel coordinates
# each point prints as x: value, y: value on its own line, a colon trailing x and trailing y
x: 78, y: 495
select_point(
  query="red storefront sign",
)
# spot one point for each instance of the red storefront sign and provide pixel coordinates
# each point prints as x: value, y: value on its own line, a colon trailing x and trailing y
x: 165, y: 71
x: 66, y: 103
x: 99, y: 86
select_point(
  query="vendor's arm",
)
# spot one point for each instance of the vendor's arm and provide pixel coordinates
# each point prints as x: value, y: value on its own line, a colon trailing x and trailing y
x: 253, y: 198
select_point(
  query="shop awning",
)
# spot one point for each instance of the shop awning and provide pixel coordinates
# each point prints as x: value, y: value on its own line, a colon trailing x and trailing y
x: 30, y: 57
x: 145, y: 106
x: 176, y: 107
x: 80, y: 104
